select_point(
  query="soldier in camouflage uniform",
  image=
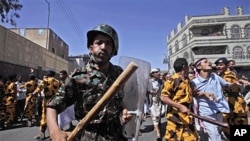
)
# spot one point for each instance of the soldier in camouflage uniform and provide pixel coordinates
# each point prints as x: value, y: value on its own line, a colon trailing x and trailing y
x: 87, y: 87
x: 30, y: 102
x: 177, y: 94
x: 237, y: 104
x: 10, y: 92
x: 49, y: 85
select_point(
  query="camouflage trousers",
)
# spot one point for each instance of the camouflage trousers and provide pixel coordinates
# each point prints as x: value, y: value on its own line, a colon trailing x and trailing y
x: 43, y: 123
x: 178, y: 132
x: 238, y: 113
x: 30, y: 111
x: 9, y: 109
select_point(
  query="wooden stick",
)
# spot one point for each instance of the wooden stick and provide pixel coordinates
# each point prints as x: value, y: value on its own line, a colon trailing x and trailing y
x: 223, y: 124
x: 115, y: 87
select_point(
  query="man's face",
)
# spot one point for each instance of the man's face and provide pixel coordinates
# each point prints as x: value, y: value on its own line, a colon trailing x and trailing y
x: 101, y: 48
x: 191, y: 76
x: 62, y: 76
x: 231, y: 65
x: 205, y: 65
x: 221, y: 67
x: 156, y: 74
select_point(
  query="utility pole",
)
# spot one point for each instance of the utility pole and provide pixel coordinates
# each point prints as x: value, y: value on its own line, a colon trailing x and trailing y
x: 47, y: 46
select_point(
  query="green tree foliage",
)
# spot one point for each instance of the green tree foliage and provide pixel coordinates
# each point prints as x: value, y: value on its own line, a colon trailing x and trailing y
x: 8, y: 11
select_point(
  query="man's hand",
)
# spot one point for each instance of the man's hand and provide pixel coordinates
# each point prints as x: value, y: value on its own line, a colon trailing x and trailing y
x: 210, y: 96
x: 184, y: 109
x: 126, y: 117
x: 59, y: 136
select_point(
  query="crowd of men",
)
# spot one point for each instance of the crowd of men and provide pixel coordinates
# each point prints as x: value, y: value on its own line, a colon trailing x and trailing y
x: 27, y: 99
x: 217, y: 93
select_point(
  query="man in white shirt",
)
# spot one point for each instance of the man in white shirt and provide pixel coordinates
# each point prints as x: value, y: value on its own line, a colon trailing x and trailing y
x: 20, y: 99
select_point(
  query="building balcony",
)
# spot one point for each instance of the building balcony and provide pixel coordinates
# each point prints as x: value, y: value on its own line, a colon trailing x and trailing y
x: 207, y: 38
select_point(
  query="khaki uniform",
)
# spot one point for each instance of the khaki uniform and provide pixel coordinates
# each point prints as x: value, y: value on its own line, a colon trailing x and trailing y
x: 10, y: 92
x: 50, y: 86
x: 30, y: 86
x: 237, y: 104
x: 179, y: 126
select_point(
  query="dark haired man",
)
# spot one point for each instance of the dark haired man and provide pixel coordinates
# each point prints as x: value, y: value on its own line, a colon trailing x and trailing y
x: 210, y: 98
x: 177, y: 94
x: 85, y: 88
x: 230, y: 65
x: 237, y: 104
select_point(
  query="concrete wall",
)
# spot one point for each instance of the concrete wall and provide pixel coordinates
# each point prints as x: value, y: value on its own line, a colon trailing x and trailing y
x: 19, y: 51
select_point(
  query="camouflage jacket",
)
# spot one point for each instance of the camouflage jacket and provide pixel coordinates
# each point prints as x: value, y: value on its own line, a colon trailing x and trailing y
x: 179, y: 91
x: 85, y: 89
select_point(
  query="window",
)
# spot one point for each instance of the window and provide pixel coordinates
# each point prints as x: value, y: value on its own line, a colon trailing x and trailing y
x: 238, y: 53
x: 170, y: 50
x: 176, y: 46
x: 235, y: 32
x: 40, y: 31
x: 22, y: 31
x: 53, y: 50
x: 185, y: 55
x: 61, y: 43
x: 247, y: 31
x: 248, y: 52
x: 184, y: 40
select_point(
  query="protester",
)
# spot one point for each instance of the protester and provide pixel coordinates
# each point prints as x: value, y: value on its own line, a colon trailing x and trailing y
x: 20, y: 98
x: 85, y: 88
x: 156, y: 85
x: 210, y: 98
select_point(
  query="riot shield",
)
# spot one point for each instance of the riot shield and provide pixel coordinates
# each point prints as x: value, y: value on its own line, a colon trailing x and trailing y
x: 135, y: 91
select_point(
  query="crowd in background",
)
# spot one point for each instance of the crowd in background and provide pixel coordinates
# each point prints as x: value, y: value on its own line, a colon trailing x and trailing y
x: 19, y: 98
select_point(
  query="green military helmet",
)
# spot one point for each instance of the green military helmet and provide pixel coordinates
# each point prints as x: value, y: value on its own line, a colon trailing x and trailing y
x: 107, y: 30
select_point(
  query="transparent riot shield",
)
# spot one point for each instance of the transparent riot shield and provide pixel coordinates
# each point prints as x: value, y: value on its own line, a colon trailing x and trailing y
x: 135, y: 92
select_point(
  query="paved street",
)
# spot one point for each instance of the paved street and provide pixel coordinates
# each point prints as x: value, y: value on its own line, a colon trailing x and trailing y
x: 23, y: 133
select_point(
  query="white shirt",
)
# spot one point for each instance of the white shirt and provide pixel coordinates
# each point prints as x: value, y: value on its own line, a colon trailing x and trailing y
x: 21, y: 92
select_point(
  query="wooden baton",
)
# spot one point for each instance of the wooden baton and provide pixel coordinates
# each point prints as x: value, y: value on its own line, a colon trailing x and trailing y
x: 115, y: 87
x: 223, y: 124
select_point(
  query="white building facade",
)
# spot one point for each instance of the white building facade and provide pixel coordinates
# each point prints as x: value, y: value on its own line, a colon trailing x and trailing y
x: 212, y: 36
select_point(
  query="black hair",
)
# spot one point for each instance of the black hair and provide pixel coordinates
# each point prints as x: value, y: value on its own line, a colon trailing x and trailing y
x: 64, y: 72
x: 179, y: 63
x: 230, y: 61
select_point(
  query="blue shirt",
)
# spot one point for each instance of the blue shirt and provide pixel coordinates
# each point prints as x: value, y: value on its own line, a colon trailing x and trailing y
x: 212, y: 85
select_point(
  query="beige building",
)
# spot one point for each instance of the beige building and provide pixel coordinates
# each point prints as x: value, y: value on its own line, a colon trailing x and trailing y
x: 212, y: 36
x: 22, y: 49
x: 78, y: 61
